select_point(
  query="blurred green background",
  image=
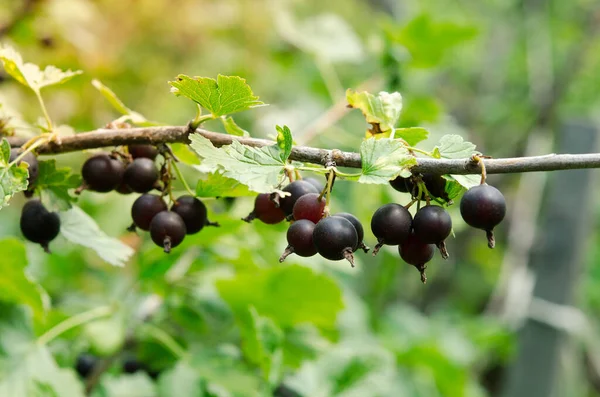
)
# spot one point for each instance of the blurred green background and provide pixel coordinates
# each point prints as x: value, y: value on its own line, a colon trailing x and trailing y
x: 228, y: 319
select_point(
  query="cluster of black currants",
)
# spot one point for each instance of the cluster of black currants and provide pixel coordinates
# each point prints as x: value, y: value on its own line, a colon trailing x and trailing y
x: 167, y: 227
x: 86, y: 365
x: 312, y: 231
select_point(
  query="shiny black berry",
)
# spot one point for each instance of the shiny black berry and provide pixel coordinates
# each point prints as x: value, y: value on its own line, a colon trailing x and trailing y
x: 417, y: 253
x: 316, y: 183
x: 265, y: 210
x: 436, y: 186
x: 432, y: 225
x: 310, y: 207
x: 300, y: 239
x: 131, y: 365
x: 141, y: 175
x: 143, y: 151
x: 483, y: 207
x: 403, y: 185
x: 85, y: 365
x: 38, y: 225
x: 167, y: 230
x: 360, y: 232
x: 145, y: 208
x: 102, y: 173
x: 193, y: 212
x: 391, y: 224
x: 296, y: 189
x: 31, y: 160
x: 335, y: 238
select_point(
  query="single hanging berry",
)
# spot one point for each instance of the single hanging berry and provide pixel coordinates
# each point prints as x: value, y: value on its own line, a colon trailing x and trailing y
x: 265, y: 210
x: 193, y: 212
x: 296, y: 189
x: 38, y: 225
x: 143, y: 151
x: 417, y: 253
x: 335, y: 238
x: 167, y: 230
x: 391, y: 224
x: 483, y: 207
x: 404, y: 185
x: 310, y: 206
x: 102, y: 173
x: 145, y: 208
x: 300, y: 239
x: 319, y: 185
x: 85, y: 365
x: 360, y: 232
x: 432, y: 225
x: 141, y: 175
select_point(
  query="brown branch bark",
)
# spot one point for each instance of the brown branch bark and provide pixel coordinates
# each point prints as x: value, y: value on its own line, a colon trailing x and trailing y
x: 171, y: 134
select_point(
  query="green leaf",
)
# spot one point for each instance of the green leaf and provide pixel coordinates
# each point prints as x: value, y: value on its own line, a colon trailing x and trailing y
x: 381, y: 111
x: 467, y: 181
x: 105, y: 336
x: 261, y: 169
x: 79, y: 228
x: 384, y: 159
x: 13, y: 179
x: 181, y: 380
x: 184, y: 153
x: 217, y: 185
x: 420, y: 109
x: 138, y: 384
x: 226, y: 95
x: 289, y: 295
x: 15, y: 285
x: 29, y: 74
x: 428, y: 41
x: 412, y: 135
x: 284, y: 141
x: 56, y: 182
x: 232, y: 128
x: 131, y: 115
x: 454, y: 147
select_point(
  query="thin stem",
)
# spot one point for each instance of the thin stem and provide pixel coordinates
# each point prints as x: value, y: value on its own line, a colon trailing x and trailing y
x: 417, y: 150
x: 74, y: 321
x: 38, y: 95
x: 166, y: 340
x: 182, y: 179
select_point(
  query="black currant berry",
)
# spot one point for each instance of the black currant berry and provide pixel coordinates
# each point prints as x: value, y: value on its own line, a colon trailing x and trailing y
x: 300, y: 239
x: 145, y: 208
x: 85, y: 365
x: 132, y: 365
x: 417, y: 253
x: 123, y: 189
x: 316, y: 183
x: 296, y: 189
x: 143, y: 151
x: 31, y: 160
x: 284, y: 391
x: 265, y: 210
x: 193, y: 212
x: 141, y: 175
x: 102, y: 173
x: 432, y: 225
x: 335, y: 238
x: 483, y: 207
x: 310, y: 207
x: 436, y: 186
x: 360, y: 232
x: 391, y: 224
x: 38, y: 224
x: 167, y: 230
x: 403, y: 185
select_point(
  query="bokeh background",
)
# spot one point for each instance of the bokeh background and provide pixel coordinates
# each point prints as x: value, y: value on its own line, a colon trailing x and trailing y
x: 516, y: 77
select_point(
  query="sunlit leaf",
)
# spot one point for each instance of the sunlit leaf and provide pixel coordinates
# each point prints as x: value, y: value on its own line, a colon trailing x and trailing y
x: 412, y: 135
x: 13, y: 178
x: 232, y: 128
x: 284, y: 141
x: 54, y: 183
x: 454, y: 147
x: 217, y: 185
x: 384, y: 159
x: 381, y: 111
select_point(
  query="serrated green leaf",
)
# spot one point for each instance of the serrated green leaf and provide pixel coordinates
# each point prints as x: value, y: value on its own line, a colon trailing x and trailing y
x: 232, y: 128
x: 223, y: 96
x: 217, y: 185
x: 454, y: 147
x: 412, y: 135
x: 130, y: 115
x: 184, y: 154
x: 15, y: 285
x: 381, y: 111
x: 79, y: 228
x: 54, y: 184
x: 453, y: 188
x: 13, y: 179
x: 30, y: 74
x: 261, y: 169
x: 384, y: 159
x: 467, y: 181
x: 284, y: 141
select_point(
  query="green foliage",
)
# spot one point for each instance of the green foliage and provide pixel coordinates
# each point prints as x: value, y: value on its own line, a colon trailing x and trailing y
x: 217, y: 185
x: 128, y: 114
x: 384, y: 159
x: 382, y: 111
x: 412, y: 135
x: 454, y: 147
x: 13, y: 178
x: 232, y: 128
x: 54, y: 184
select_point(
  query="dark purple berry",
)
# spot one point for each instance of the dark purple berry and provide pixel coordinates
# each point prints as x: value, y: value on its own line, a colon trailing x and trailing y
x: 102, y: 173
x: 391, y: 224
x: 143, y: 151
x: 403, y: 185
x: 483, y: 207
x: 132, y: 365
x: 436, y: 186
x: 31, y: 160
x: 296, y: 189
x: 300, y: 239
x: 141, y: 175
x: 85, y: 365
x: 432, y: 225
x: 38, y: 225
x: 335, y: 238
x: 316, y: 183
x: 167, y: 230
x: 193, y: 212
x: 265, y: 210
x: 144, y: 208
x: 360, y: 232
x: 310, y: 207
x: 417, y: 253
